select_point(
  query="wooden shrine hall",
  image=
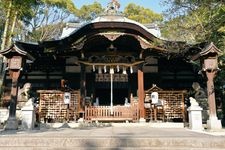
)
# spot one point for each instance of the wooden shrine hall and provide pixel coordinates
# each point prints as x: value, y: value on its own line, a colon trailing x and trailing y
x: 110, y: 66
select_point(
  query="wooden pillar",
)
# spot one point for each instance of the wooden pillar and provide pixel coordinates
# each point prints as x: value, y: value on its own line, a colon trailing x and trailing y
x: 213, y: 123
x: 141, y: 94
x: 211, y: 94
x: 83, y: 85
x: 12, y: 123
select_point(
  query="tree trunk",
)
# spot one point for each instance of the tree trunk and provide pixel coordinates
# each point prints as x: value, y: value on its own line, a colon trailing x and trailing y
x: 12, y: 25
x: 5, y: 39
x: 6, y: 27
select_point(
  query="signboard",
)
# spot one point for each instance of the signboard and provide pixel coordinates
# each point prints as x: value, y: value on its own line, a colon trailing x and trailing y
x: 155, y: 97
x: 15, y: 62
x: 67, y: 97
x: 107, y: 78
x: 210, y: 63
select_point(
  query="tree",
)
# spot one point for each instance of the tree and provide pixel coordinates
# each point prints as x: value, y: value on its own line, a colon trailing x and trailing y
x: 132, y: 11
x: 195, y: 20
x: 19, y: 11
x: 89, y: 12
x: 47, y: 20
x: 141, y: 14
x: 198, y: 22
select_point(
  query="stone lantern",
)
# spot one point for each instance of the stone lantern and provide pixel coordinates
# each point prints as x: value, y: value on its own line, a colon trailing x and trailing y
x: 16, y: 58
x: 209, y: 61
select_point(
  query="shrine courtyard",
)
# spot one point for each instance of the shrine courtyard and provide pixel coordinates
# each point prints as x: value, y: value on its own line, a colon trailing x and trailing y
x: 139, y: 136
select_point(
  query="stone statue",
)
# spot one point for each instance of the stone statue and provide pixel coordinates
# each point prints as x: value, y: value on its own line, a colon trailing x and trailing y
x: 24, y: 96
x: 201, y: 97
x: 193, y: 102
x: 199, y: 91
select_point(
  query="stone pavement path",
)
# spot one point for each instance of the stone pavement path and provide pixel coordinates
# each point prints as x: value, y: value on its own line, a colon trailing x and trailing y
x: 112, y: 138
x: 115, y: 131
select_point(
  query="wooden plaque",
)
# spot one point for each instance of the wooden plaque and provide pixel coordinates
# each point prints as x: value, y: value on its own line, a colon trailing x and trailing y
x: 15, y: 62
x: 210, y: 63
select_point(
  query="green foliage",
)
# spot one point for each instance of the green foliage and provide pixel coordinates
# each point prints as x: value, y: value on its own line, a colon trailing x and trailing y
x: 199, y: 21
x: 2, y: 18
x: 189, y: 27
x: 47, y: 32
x: 65, y: 4
x: 29, y: 15
x: 195, y: 21
x: 141, y: 14
x: 89, y: 12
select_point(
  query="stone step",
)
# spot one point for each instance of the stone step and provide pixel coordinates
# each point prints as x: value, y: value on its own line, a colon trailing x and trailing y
x: 61, y: 143
x: 103, y: 148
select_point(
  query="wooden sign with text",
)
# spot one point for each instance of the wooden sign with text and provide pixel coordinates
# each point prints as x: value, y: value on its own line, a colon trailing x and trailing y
x: 15, y: 62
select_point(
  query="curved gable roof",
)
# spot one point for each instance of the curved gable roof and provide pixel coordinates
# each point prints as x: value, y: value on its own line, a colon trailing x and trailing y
x: 110, y: 23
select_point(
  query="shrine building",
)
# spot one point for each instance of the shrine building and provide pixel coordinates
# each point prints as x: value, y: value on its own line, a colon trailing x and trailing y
x: 110, y: 67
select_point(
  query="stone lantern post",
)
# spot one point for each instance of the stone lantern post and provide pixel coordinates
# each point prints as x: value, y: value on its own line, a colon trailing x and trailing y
x: 209, y: 61
x: 16, y: 58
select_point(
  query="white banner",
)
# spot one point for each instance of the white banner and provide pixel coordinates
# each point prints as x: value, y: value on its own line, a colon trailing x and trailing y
x: 67, y: 97
x: 155, y: 97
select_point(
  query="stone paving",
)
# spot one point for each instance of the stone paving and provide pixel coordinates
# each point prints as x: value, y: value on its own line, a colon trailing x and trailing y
x: 111, y: 130
x: 113, y: 137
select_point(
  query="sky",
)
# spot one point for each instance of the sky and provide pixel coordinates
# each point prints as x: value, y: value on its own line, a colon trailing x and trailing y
x: 151, y: 4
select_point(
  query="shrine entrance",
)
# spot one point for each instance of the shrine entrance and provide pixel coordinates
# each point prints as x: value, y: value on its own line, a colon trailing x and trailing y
x: 112, y: 101
x: 119, y: 96
x: 105, y: 89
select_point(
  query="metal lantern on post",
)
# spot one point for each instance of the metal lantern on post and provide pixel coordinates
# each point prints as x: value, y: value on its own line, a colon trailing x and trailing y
x: 209, y: 62
x: 16, y: 60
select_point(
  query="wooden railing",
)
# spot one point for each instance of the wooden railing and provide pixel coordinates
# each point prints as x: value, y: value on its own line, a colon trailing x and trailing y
x: 119, y: 113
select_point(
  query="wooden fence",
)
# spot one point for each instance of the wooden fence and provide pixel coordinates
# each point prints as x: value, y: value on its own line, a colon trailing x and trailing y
x: 119, y: 113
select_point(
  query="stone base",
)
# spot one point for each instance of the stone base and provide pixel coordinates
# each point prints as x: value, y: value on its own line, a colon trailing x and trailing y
x: 4, y: 115
x: 195, y: 117
x: 214, y: 124
x: 142, y: 120
x: 11, y: 124
x: 28, y: 117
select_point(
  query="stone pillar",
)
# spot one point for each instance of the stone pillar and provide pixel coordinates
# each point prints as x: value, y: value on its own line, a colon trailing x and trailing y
x: 195, y: 115
x: 213, y: 123
x: 28, y: 117
x: 141, y: 95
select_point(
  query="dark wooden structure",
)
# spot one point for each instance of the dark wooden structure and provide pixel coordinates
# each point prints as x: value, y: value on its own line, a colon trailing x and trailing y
x: 111, y: 53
